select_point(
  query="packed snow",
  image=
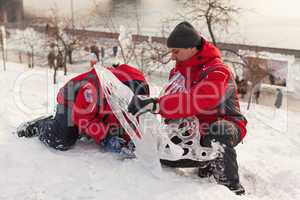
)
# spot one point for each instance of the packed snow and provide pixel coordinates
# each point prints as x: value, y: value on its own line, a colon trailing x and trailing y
x: 269, y: 158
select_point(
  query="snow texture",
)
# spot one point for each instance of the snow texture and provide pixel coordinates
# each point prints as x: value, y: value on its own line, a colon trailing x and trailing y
x: 269, y: 158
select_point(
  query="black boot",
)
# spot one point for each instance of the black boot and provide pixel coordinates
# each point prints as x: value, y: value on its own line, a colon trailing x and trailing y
x: 28, y: 130
x: 204, y: 170
x: 225, y: 167
x: 31, y: 128
x: 238, y: 189
x: 225, y: 171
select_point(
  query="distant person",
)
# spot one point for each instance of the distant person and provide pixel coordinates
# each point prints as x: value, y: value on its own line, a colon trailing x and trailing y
x: 20, y: 57
x: 29, y: 60
x: 59, y: 60
x: 115, y: 51
x: 47, y: 27
x: 284, y: 82
x: 51, y: 59
x: 256, y: 92
x: 95, y: 50
x: 243, y: 88
x: 92, y: 59
x: 279, y: 98
x: 102, y: 53
x: 272, y: 79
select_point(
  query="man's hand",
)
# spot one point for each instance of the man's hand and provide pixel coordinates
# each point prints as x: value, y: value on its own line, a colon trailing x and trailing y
x: 141, y: 104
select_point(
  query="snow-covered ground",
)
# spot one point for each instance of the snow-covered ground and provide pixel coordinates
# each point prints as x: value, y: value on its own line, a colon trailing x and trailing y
x: 269, y: 157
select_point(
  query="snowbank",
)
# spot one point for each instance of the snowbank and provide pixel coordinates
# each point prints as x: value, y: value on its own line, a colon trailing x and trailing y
x: 269, y: 158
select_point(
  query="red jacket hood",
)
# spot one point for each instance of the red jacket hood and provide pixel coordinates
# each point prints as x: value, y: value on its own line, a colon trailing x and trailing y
x: 208, y: 55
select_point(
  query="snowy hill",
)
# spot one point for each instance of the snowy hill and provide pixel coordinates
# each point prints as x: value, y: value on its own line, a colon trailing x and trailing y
x: 269, y: 158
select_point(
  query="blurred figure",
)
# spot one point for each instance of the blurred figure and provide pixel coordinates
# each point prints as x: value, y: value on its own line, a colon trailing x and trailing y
x: 256, y: 92
x: 279, y: 98
x: 102, y: 53
x: 115, y: 51
x: 51, y: 59
x: 90, y: 57
x: 243, y: 87
x: 59, y: 60
x: 93, y: 59
x: 95, y: 50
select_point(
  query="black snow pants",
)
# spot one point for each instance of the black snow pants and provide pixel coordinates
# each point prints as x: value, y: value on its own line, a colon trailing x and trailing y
x: 225, y: 167
x: 58, y: 132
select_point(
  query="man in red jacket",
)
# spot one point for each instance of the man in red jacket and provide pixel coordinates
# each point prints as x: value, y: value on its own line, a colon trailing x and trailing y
x: 82, y: 109
x: 201, y: 87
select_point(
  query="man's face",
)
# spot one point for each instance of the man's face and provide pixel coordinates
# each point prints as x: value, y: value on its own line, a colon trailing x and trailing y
x: 182, y: 54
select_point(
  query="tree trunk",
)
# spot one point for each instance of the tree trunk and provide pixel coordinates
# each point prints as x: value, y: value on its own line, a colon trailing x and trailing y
x: 28, y: 59
x: 20, y: 57
x: 211, y: 33
x: 54, y: 75
x: 32, y: 57
x: 70, y: 52
x: 122, y: 52
x: 65, y: 63
x: 3, y: 57
x: 208, y: 19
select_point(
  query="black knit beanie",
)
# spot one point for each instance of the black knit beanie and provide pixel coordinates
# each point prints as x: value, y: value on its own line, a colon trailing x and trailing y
x: 184, y: 35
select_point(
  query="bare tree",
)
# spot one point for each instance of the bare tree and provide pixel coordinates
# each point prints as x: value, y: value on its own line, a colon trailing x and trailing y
x: 124, y: 40
x: 257, y: 70
x: 158, y: 56
x: 3, y: 45
x: 134, y: 47
x: 254, y: 68
x: 63, y: 39
x: 215, y: 14
x: 3, y: 10
x: 30, y: 41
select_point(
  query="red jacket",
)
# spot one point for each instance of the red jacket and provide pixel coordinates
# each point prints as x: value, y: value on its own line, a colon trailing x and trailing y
x: 93, y: 115
x: 209, y: 97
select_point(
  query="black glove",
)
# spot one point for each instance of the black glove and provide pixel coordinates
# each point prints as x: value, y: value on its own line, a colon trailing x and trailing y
x: 224, y: 132
x: 141, y: 104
